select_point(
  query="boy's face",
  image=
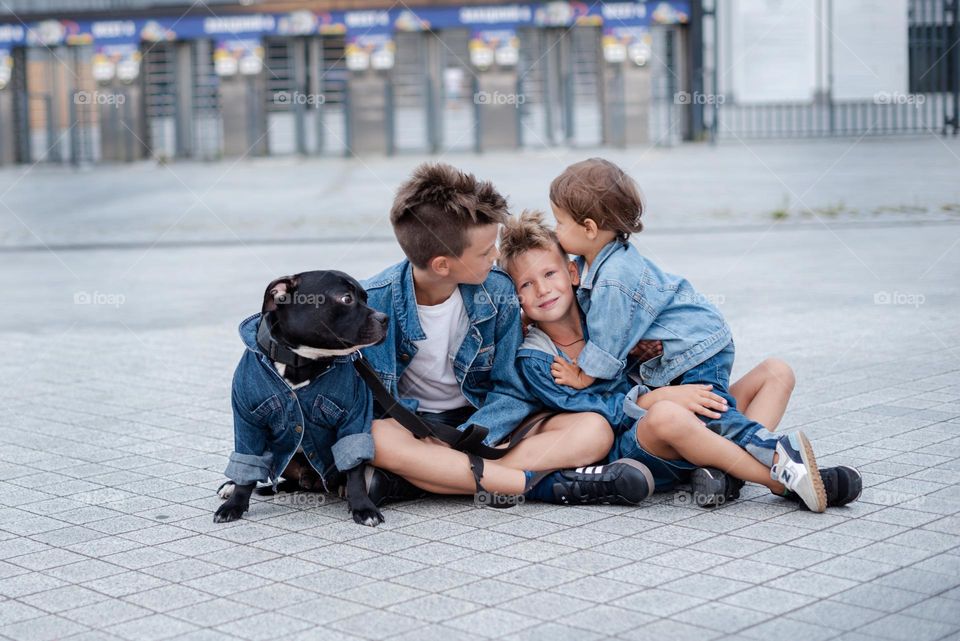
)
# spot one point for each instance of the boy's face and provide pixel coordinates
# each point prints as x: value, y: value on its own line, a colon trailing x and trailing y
x: 571, y: 234
x: 479, y: 256
x: 544, y: 281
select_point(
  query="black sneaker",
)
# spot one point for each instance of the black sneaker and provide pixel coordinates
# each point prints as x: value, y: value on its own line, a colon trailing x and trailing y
x: 623, y: 482
x: 711, y: 487
x: 387, y: 487
x: 842, y: 484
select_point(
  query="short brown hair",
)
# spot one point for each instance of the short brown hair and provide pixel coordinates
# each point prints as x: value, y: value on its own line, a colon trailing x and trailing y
x: 597, y: 189
x: 435, y: 208
x: 523, y: 233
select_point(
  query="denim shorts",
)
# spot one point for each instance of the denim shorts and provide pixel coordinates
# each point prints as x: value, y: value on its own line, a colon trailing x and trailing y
x: 666, y: 473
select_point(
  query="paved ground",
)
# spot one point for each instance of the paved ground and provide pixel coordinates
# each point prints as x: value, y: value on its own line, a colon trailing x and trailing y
x: 249, y: 200
x: 116, y: 429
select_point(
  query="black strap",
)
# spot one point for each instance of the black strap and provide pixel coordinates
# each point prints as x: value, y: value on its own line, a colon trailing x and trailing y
x: 476, y: 466
x: 275, y: 350
x: 467, y: 440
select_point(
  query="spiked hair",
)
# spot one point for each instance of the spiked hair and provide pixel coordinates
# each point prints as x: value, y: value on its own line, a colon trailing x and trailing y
x: 433, y: 211
x: 525, y: 232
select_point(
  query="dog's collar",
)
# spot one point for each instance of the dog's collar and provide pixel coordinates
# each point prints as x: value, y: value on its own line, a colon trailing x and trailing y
x: 279, y: 352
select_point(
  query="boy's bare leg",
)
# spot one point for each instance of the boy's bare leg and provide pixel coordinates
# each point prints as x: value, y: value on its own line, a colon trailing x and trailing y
x: 763, y: 392
x: 673, y: 432
x: 433, y: 466
x: 561, y: 442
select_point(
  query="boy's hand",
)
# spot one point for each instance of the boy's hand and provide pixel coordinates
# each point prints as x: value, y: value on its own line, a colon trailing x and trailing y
x: 569, y: 374
x: 696, y: 398
x: 645, y: 350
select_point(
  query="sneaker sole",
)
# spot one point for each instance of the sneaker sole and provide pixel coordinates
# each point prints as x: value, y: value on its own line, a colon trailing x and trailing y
x: 810, y: 462
x: 647, y: 475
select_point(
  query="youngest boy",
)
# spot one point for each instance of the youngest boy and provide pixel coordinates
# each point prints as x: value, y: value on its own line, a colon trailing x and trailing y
x: 670, y: 440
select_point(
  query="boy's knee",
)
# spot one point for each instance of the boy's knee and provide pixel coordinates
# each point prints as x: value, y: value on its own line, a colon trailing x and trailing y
x: 780, y: 372
x: 664, y: 418
x: 597, y: 435
x: 388, y: 439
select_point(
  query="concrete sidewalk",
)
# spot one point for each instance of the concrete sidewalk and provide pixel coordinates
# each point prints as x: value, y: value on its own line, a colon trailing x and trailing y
x: 116, y: 428
x: 692, y: 186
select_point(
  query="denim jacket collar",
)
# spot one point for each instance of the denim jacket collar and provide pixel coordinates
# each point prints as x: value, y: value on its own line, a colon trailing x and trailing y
x: 586, y: 282
x: 476, y: 302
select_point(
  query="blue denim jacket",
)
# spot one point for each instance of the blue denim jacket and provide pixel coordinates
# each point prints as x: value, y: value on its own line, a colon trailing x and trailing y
x: 627, y: 298
x: 614, y: 399
x: 329, y: 418
x: 485, y: 362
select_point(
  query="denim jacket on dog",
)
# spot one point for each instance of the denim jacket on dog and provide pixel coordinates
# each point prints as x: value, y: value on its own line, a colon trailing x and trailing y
x: 484, y: 362
x: 329, y: 418
x: 627, y: 298
x: 615, y: 400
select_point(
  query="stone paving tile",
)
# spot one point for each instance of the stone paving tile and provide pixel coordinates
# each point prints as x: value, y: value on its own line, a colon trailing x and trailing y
x: 105, y: 528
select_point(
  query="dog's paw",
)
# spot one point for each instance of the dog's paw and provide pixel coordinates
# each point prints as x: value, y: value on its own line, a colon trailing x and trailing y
x: 370, y: 517
x: 225, y: 491
x: 228, y: 512
x: 234, y: 507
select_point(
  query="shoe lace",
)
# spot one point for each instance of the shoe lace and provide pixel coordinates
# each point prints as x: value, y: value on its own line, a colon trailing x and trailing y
x: 597, y: 488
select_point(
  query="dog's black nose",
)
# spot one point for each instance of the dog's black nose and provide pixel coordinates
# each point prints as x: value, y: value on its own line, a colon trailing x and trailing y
x: 381, y: 318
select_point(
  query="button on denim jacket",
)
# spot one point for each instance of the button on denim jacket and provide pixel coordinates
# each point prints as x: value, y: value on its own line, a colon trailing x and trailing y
x: 484, y: 361
x: 627, y: 298
x: 329, y: 418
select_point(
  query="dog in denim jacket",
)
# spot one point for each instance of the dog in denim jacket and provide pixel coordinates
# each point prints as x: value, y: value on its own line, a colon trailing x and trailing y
x: 300, y: 410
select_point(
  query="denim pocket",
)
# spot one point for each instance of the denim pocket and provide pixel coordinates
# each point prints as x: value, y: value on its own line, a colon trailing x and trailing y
x: 326, y: 413
x: 268, y: 407
x: 484, y: 359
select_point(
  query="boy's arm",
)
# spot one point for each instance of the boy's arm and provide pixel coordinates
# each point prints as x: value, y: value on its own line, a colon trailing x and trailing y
x: 508, y: 402
x: 615, y: 323
x: 536, y: 372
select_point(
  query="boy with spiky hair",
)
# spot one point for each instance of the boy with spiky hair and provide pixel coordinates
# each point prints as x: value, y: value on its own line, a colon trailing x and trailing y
x: 660, y: 428
x: 450, y: 354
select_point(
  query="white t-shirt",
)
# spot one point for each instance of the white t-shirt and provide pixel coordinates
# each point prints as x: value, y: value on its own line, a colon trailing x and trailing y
x: 429, y: 377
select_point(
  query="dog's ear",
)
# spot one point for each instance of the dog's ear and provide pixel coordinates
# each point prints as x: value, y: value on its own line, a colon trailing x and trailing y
x: 278, y: 292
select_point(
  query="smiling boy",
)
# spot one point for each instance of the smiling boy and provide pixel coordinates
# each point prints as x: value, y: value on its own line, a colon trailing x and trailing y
x: 659, y: 428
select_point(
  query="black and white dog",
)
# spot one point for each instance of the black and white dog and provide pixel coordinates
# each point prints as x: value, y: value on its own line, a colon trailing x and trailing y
x: 295, y: 393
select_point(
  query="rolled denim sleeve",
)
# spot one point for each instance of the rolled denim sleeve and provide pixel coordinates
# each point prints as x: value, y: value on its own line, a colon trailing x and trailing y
x: 615, y: 324
x: 352, y: 450
x: 631, y: 406
x: 245, y: 469
x: 536, y: 372
x: 354, y: 442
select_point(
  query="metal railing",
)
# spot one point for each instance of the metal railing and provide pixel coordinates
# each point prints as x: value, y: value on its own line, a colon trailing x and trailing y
x: 931, y: 102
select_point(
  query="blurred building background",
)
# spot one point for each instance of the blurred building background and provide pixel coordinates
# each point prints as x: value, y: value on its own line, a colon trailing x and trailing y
x: 90, y: 81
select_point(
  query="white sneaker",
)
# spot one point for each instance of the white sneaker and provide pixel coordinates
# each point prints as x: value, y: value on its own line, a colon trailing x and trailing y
x: 796, y: 468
